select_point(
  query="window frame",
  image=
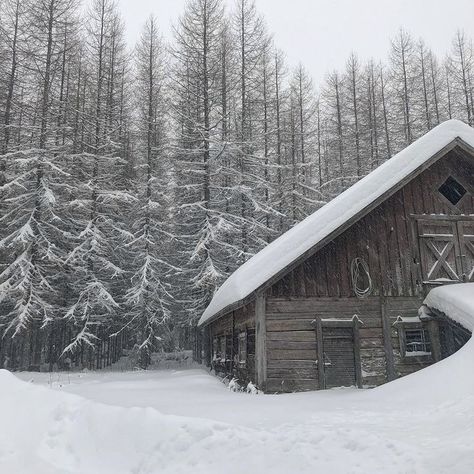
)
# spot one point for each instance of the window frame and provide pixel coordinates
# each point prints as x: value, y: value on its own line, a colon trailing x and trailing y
x: 425, y: 342
x: 242, y: 348
x: 444, y: 198
x: 402, y: 327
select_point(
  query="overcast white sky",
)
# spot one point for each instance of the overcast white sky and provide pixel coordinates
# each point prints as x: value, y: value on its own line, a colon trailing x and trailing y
x: 322, y: 33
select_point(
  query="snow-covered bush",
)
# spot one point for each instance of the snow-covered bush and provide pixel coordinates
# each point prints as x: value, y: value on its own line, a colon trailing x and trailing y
x: 252, y: 389
x: 234, y: 385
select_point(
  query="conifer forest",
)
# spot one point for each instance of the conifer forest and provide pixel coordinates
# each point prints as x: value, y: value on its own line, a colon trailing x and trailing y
x: 134, y: 179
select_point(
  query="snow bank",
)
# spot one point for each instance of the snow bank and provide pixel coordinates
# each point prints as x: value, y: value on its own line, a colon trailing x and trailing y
x: 308, y: 233
x: 49, y: 432
x: 450, y: 381
x: 45, y: 431
x: 455, y: 301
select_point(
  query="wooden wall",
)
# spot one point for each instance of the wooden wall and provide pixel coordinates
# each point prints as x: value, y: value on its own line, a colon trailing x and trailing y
x: 404, y: 307
x: 240, y: 320
x: 292, y: 346
x: 383, y: 238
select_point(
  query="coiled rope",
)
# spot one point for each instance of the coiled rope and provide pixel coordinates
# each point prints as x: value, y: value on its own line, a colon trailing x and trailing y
x: 358, y: 266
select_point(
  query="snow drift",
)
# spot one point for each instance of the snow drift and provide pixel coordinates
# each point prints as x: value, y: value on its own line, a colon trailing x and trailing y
x: 420, y: 424
x: 49, y: 432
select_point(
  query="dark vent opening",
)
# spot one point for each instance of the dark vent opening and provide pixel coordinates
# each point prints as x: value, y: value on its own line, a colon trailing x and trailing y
x: 452, y: 190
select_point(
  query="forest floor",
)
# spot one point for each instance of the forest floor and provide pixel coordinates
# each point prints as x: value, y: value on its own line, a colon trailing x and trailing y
x: 187, y: 421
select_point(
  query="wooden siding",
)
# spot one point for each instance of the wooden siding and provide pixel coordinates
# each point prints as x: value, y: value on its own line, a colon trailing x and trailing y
x: 231, y: 325
x: 384, y: 238
x: 404, y: 307
x: 292, y: 349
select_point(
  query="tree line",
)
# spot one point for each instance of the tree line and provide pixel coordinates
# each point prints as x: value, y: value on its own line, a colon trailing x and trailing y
x: 133, y: 181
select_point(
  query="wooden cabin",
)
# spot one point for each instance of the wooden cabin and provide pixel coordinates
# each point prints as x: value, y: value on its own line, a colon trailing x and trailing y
x: 335, y: 300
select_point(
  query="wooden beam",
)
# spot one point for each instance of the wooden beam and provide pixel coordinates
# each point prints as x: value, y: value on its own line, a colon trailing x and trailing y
x: 433, y: 329
x: 387, y: 341
x: 207, y: 345
x: 320, y: 351
x: 260, y: 341
x: 358, y: 365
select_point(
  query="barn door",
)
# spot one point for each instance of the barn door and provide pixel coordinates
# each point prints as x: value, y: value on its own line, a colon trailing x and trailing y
x: 446, y: 249
x: 466, y: 247
x: 439, y: 250
x: 339, y: 357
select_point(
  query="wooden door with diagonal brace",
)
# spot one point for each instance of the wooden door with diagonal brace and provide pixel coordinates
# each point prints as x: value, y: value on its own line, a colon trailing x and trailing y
x: 446, y: 249
x: 466, y: 243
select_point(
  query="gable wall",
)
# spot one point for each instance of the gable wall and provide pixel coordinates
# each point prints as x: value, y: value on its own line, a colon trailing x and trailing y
x: 383, y: 238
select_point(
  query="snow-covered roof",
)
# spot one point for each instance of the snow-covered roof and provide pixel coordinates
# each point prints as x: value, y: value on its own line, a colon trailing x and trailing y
x: 455, y: 301
x: 353, y: 202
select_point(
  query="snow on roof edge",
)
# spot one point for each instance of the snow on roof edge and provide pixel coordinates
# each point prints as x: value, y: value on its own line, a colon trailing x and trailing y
x: 456, y: 301
x: 308, y: 233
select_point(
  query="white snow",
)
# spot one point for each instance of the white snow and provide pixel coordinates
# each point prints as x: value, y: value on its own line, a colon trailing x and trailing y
x: 181, y: 422
x: 308, y: 233
x: 456, y: 301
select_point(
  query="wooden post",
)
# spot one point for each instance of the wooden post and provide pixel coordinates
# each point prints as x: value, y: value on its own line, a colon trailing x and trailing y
x: 207, y: 345
x: 387, y: 341
x: 433, y: 329
x: 358, y: 365
x: 260, y: 342
x: 232, y: 349
x: 320, y: 351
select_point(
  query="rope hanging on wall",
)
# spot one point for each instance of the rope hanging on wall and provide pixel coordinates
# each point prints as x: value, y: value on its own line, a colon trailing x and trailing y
x: 360, y: 275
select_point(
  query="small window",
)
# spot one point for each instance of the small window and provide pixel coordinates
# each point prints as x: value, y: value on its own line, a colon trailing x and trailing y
x: 452, y: 190
x: 222, y: 347
x: 250, y: 342
x: 417, y: 342
x: 215, y: 349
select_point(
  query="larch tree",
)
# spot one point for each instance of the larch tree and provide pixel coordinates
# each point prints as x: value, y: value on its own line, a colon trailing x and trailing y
x: 100, y: 200
x: 36, y: 231
x: 197, y: 114
x: 460, y: 65
x: 149, y: 298
x: 403, y: 77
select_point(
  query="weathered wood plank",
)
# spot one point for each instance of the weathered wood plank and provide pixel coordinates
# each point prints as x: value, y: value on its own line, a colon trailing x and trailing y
x: 291, y: 345
x: 320, y: 354
x: 387, y: 343
x: 368, y: 333
x: 296, y: 354
x: 368, y: 353
x: 282, y: 386
x: 291, y: 336
x: 293, y: 373
x: 316, y: 305
x: 260, y: 341
x: 368, y: 343
x: 369, y: 320
x: 290, y: 325
x: 291, y: 364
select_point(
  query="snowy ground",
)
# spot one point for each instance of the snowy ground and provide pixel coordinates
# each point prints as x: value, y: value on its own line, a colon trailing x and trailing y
x: 186, y: 421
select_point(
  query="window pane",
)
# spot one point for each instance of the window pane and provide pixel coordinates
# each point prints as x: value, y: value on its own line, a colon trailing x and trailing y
x: 452, y: 190
x: 417, y: 340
